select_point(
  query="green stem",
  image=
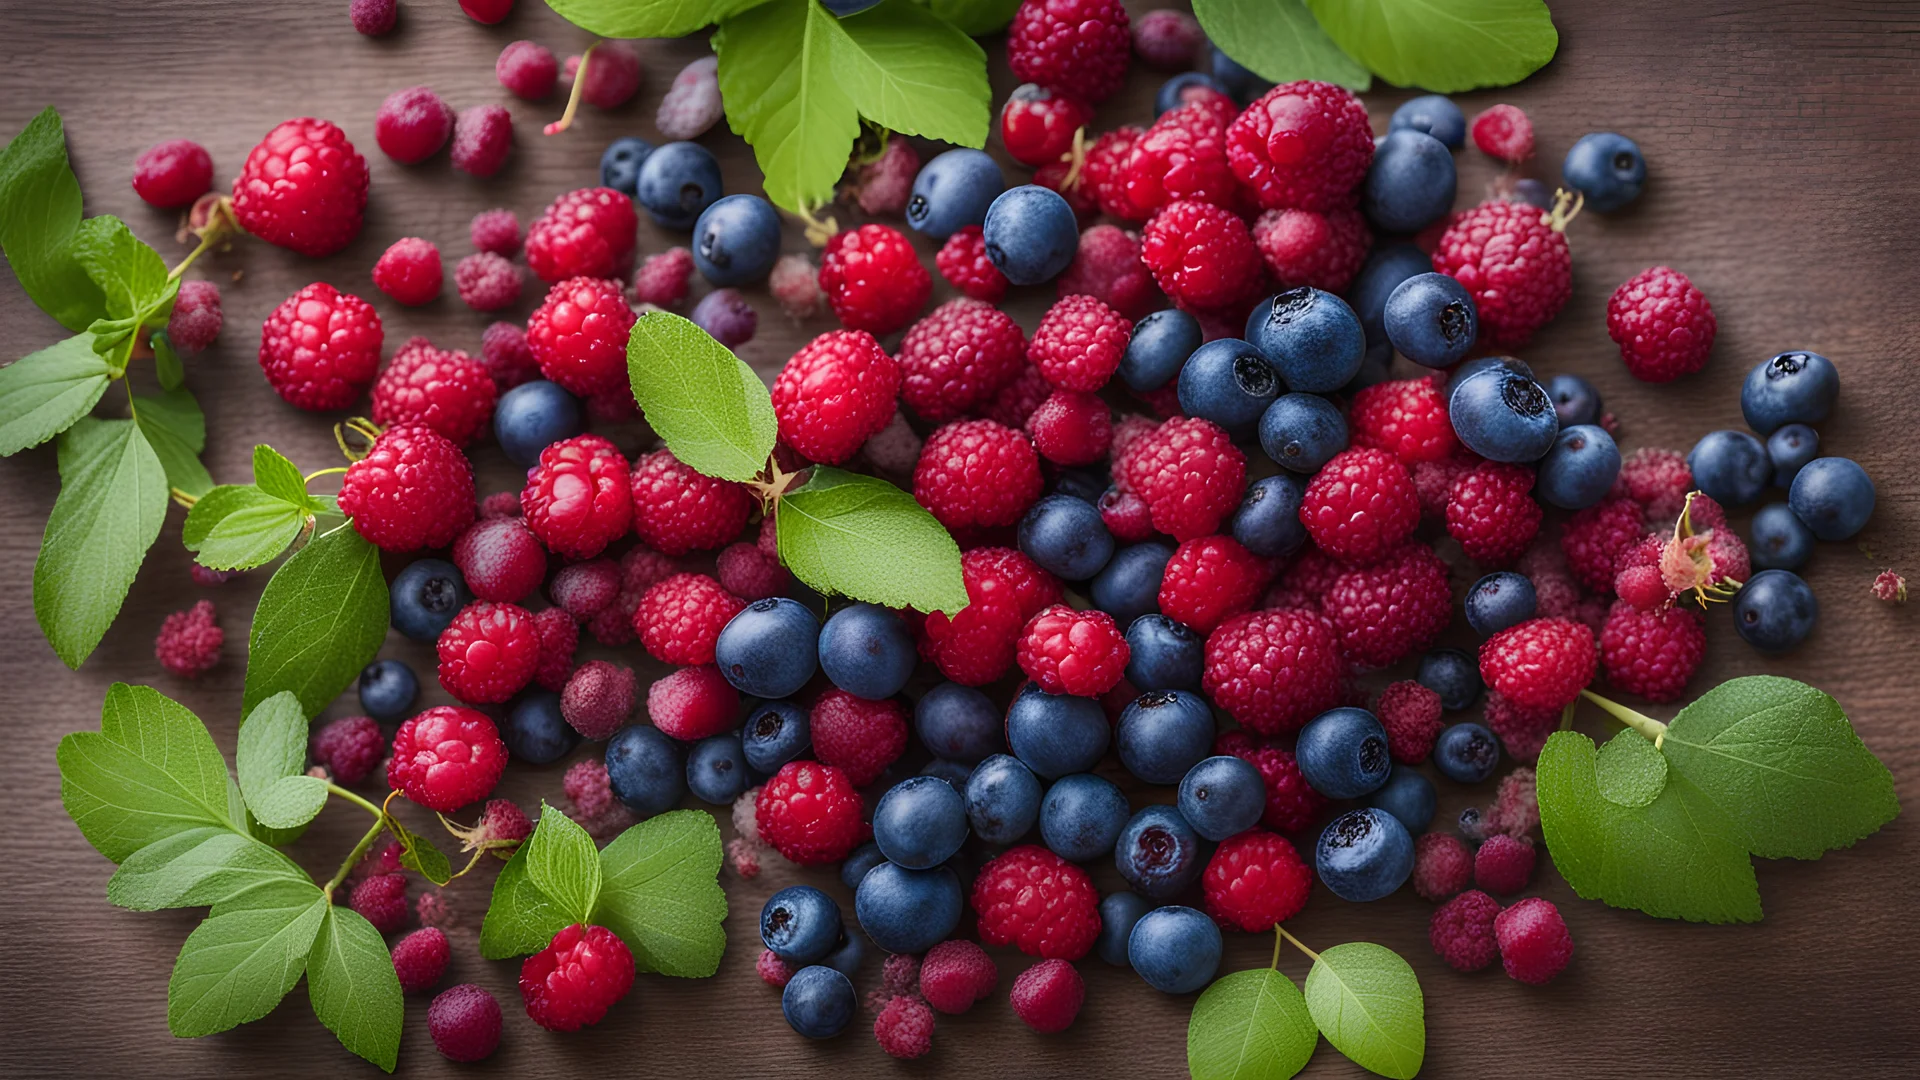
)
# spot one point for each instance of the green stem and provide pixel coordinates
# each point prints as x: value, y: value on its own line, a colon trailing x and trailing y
x: 359, y: 849
x: 357, y: 800
x: 206, y: 242
x: 1646, y: 725
x: 573, y: 96
x: 1311, y: 955
x: 311, y: 477
x: 1279, y: 936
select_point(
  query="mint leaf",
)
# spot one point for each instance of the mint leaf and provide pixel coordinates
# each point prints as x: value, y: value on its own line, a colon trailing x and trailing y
x: 320, y: 621
x: 1279, y: 41
x: 199, y: 867
x: 563, y: 864
x: 271, y: 758
x: 975, y: 17
x: 130, y: 275
x: 113, y: 498
x: 1367, y: 1002
x: 864, y: 538
x: 43, y: 393
x: 418, y: 854
x: 236, y: 966
x: 1444, y: 47
x: 353, y: 988
x: 660, y: 892
x: 177, y: 431
x: 646, y: 18
x: 520, y: 918
x: 713, y: 411
x: 909, y: 71
x: 1629, y: 771
x: 39, y: 212
x: 239, y: 527
x: 1250, y: 1025
x: 151, y: 771
x: 166, y: 362
x: 781, y: 75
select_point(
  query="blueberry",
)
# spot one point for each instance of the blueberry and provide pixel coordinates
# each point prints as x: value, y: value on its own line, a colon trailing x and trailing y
x: 818, y: 1002
x: 864, y: 858
x: 953, y: 191
x: 1790, y: 447
x: 1432, y: 114
x: 1313, y: 338
x: 1503, y: 416
x: 1081, y: 817
x: 1533, y: 192
x: 800, y: 924
x: 1499, y: 600
x: 1230, y: 383
x: 920, y: 822
x: 1453, y: 675
x: 770, y: 649
x: 1056, y: 734
x: 717, y: 769
x: 1781, y: 541
x: 1118, y: 912
x: 847, y: 957
x: 1129, y: 586
x: 1164, y: 654
x: 1176, y: 949
x: 1364, y: 854
x: 1066, y: 537
x: 1793, y: 387
x: 1243, y: 84
x: 646, y: 770
x: 1481, y: 363
x: 534, y: 729
x: 908, y: 911
x: 1466, y: 753
x: 1775, y: 611
x: 1730, y: 466
x: 1411, y: 183
x: 1030, y: 233
x: 726, y: 316
x: 867, y: 651
x: 387, y: 690
x: 1385, y: 268
x: 1409, y: 796
x: 957, y: 723
x: 736, y: 240
x: 1158, y: 852
x: 1003, y: 800
x: 844, y: 8
x: 1169, y: 96
x: 1160, y: 344
x: 1432, y: 320
x: 677, y: 183
x: 1163, y: 733
x: 1343, y: 753
x: 1222, y: 796
x: 776, y: 733
x: 532, y: 416
x: 1607, y: 169
x: 1574, y: 399
x: 1087, y: 485
x: 1268, y: 521
x: 1833, y: 496
x: 620, y: 164
x: 1580, y: 469
x: 954, y: 774
x: 425, y: 598
x: 1302, y: 432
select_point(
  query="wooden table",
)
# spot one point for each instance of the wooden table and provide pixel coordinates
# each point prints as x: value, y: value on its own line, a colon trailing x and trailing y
x: 1780, y: 136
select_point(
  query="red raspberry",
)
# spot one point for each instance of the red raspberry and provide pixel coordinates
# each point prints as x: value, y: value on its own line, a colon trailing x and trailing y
x: 963, y: 261
x: 1254, y: 881
x: 679, y: 619
x: 1168, y: 40
x: 598, y: 699
x: 1014, y: 404
x: 772, y: 970
x: 1515, y: 263
x: 977, y: 645
x: 1190, y: 474
x: 1491, y: 512
x: 482, y: 138
x: 1434, y: 480
x: 320, y: 348
x: 496, y: 231
x: 748, y: 573
x: 1211, y: 579
x: 381, y: 899
x: 1504, y: 132
x: 505, y: 355
x: 1462, y: 931
x: 1127, y: 434
x: 1540, y: 664
x: 900, y: 974
x: 1406, y: 418
x: 904, y: 1027
x: 1442, y: 866
x: 488, y: 653
x: 502, y: 826
x: 1662, y: 323
x: 834, y: 394
x: 1889, y: 586
x: 1105, y: 172
x: 412, y: 125
x: 304, y: 188
x: 1652, y: 653
x: 1302, y: 146
x: 1523, y: 731
x: 873, y: 279
x: 572, y: 982
x: 1126, y: 516
x: 1594, y: 538
x: 641, y: 568
x: 693, y: 703
x: 383, y: 859
x: 1636, y: 574
x: 559, y: 637
x: 579, y: 498
x: 1073, y: 652
x: 587, y: 233
x: 796, y: 285
x: 420, y: 958
x: 1534, y: 942
x: 500, y: 559
x: 1516, y: 807
x: 587, y: 788
x: 1360, y: 505
x: 349, y: 748
x: 662, y: 279
x: 1503, y: 865
x: 1307, y: 247
x: 196, y: 317
x: 1008, y: 576
x: 446, y: 757
x: 857, y: 736
x: 373, y: 18
x: 1273, y: 670
x: 1202, y: 256
x: 977, y: 472
x: 413, y: 490
x: 1411, y: 714
x: 810, y: 813
x: 1071, y: 428
x: 1037, y: 124
x: 613, y: 75
x: 527, y: 69
x: 1047, y: 996
x: 1054, y: 177
x: 465, y: 1023
x: 677, y: 510
x: 487, y: 12
x: 955, y: 358
x: 487, y: 282
x: 585, y: 589
x: 170, y: 175
x: 1037, y: 902
x: 579, y: 334
x: 1656, y: 479
x: 1182, y: 156
x: 1291, y: 804
x: 955, y: 974
x: 1107, y: 267
x: 189, y: 641
x: 445, y: 390
x: 1073, y: 46
x: 883, y: 185
x: 1385, y: 612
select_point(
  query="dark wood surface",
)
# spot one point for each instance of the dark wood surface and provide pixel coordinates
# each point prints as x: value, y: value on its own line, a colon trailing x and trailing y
x: 1780, y: 136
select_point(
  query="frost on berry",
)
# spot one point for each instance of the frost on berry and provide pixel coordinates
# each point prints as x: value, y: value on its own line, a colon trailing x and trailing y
x: 662, y: 279
x: 795, y: 283
x: 692, y: 104
x: 196, y: 317
x: 527, y: 69
x: 487, y: 282
x: 482, y: 139
x: 1504, y: 132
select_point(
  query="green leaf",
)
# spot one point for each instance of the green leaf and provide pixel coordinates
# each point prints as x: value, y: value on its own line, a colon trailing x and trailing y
x: 418, y: 854
x: 864, y: 538
x: 150, y: 772
x: 236, y: 966
x: 239, y: 527
x: 909, y: 71
x: 320, y: 621
x: 1279, y: 41
x: 1367, y: 1002
x: 177, y: 431
x: 661, y: 893
x: 271, y: 758
x: 39, y: 212
x: 520, y: 918
x: 1442, y: 45
x: 353, y: 988
x: 563, y: 863
x: 278, y: 477
x: 166, y: 362
x: 130, y: 275
x: 196, y: 868
x: 781, y: 75
x: 1250, y: 1025
x: 713, y: 411
x: 646, y: 18
x: 975, y: 17
x: 1629, y: 771
x: 44, y: 392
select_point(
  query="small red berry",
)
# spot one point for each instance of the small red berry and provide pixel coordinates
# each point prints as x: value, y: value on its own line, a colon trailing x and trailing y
x: 956, y: 974
x: 348, y: 748
x: 1107, y: 267
x: 1360, y: 505
x: 1462, y: 931
x: 579, y: 335
x: 662, y: 279
x: 559, y: 637
x: 196, y: 317
x: 1492, y: 512
x: 465, y: 1023
x: 1535, y: 944
x: 1302, y: 146
x: 873, y: 279
x: 1254, y: 881
x: 613, y: 74
x: 1503, y: 865
x: 488, y: 653
x: 588, y: 232
x: 1662, y: 323
x: 412, y: 125
x: 1037, y: 124
x: 858, y: 736
x: 1073, y: 652
x: 189, y: 641
x: 1273, y: 670
x: 446, y: 757
x: 1047, y: 996
x: 1182, y: 156
x: 677, y: 510
x: 1387, y: 611
x: 1540, y: 664
x: 1202, y: 256
x: 834, y: 394
x: 487, y: 282
x: 1190, y: 474
x: 413, y: 490
x: 1071, y: 428
x: 1514, y: 261
x: 496, y: 232
x: 482, y: 138
x: 1407, y: 418
x: 1411, y: 714
x: 303, y: 188
x: 1105, y: 172
x: 1078, y: 343
x: 1652, y: 653
x: 963, y: 261
x: 810, y: 813
x: 320, y: 348
x: 172, y: 174
x: 1311, y: 248
x: 445, y: 390
x: 572, y: 982
x: 1504, y: 132
x: 1210, y: 579
x: 679, y: 619
x: 527, y: 69
x: 977, y: 473
x: 693, y: 703
x: 904, y: 1027
x: 1168, y: 40
x: 374, y: 18
x: 1442, y: 866
x: 953, y: 360
x: 420, y: 958
x: 381, y: 899
x: 1072, y: 46
x: 486, y: 12
x: 579, y: 498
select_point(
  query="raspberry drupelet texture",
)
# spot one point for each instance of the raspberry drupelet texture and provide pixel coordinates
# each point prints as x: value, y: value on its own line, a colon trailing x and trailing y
x: 749, y: 573
x: 588, y: 232
x: 1434, y: 480
x: 1211, y: 579
x: 1442, y: 866
x: 465, y: 1023
x: 1662, y: 323
x: 381, y: 899
x: 505, y: 355
x: 1182, y: 156
x: 487, y: 282
x: 1079, y: 342
x: 904, y: 1027
x: 1516, y: 805
x: 1503, y: 865
x: 900, y: 974
x: 1037, y: 124
x: 955, y: 974
x: 482, y: 139
x: 172, y: 174
x: 349, y: 748
x: 1492, y: 512
x: 663, y: 279
x: 1594, y: 538
x: 500, y: 559
x: 1312, y: 248
x: 444, y: 389
x: 679, y: 619
x: 977, y: 473
x: 963, y: 261
x: 1889, y: 586
x: 446, y: 757
x: 1190, y: 474
x: 594, y: 807
x: 772, y: 970
x: 834, y: 394
x: 431, y: 908
x: 495, y: 232
x: 677, y: 510
x: 196, y: 317
x: 559, y: 637
x: 320, y: 348
x: 613, y: 75
x: 1514, y: 263
x: 1522, y: 730
x: 412, y: 125
x: 373, y: 18
x: 693, y: 703
x: 883, y: 186
x: 1462, y: 931
x: 1126, y: 516
x: 1004, y: 590
x: 1107, y: 267
x: 584, y: 589
x: 1273, y: 670
x: 1504, y: 132
x: 873, y: 279
x: 579, y: 334
x: 420, y: 958
x: 1037, y: 902
x: 303, y: 188
x: 1047, y: 996
x: 1656, y: 479
x: 1411, y: 714
x: 1072, y: 652
x: 572, y: 982
x: 1078, y: 47
x: 1071, y: 428
x: 413, y: 490
x: 1292, y: 805
x: 810, y: 813
x: 1652, y: 653
x: 956, y: 357
x: 1385, y: 612
x: 1541, y: 664
x: 641, y: 568
x: 1407, y: 418
x: 579, y: 498
x: 488, y: 653
x: 189, y: 641
x: 1534, y: 942
x: 1360, y: 505
x: 1255, y: 880
x: 598, y: 699
x: 1202, y: 256
x: 1302, y: 146
x: 858, y: 736
x: 527, y: 69
x: 1014, y: 403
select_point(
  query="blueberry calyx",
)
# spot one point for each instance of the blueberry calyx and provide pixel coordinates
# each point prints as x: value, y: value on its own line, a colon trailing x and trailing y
x: 1525, y: 397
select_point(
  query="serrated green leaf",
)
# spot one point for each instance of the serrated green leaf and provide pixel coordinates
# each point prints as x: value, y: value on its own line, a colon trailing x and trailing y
x: 857, y: 536
x: 910, y: 71
x: 646, y: 18
x: 320, y: 621
x: 781, y: 76
x: 236, y: 966
x: 1368, y: 1004
x: 166, y: 362
x: 1629, y: 771
x: 44, y: 392
x: 239, y: 527
x: 177, y: 431
x: 660, y: 892
x: 353, y: 987
x: 150, y: 772
x: 975, y: 17
x: 278, y: 477
x: 196, y: 868
x: 711, y: 409
x: 418, y: 854
x: 1279, y: 40
x: 129, y: 274
x: 564, y: 864
x: 1445, y: 46
x: 1250, y: 1025
x: 271, y: 759
x: 39, y: 211
x: 520, y: 918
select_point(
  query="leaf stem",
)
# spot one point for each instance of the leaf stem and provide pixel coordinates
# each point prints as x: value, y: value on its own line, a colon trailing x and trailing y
x: 207, y: 240
x: 1279, y: 936
x: 1654, y: 730
x: 356, y: 800
x: 573, y: 98
x: 312, y: 476
x: 1566, y: 715
x: 359, y: 849
x: 1282, y: 931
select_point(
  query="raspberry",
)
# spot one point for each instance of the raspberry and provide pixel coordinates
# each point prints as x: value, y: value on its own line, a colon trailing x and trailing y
x: 1014, y: 404
x: 1516, y: 806
x: 1009, y: 577
x: 1311, y: 248
x: 588, y: 232
x: 412, y: 125
x: 1202, y: 256
x: 692, y: 104
x: 1190, y: 474
x: 1037, y: 124
x: 374, y: 18
x: 1504, y: 132
x: 413, y: 490
x: 1107, y: 267
x: 1127, y: 434
x: 1411, y: 714
x: 810, y: 813
x: 1652, y: 653
x: 1442, y: 866
x: 594, y: 806
x: 641, y: 568
x: 487, y: 12
x: 189, y: 641
x: 383, y: 859
x: 1503, y: 865
x: 693, y: 703
x: 196, y: 317
x: 1105, y: 172
x: 446, y: 757
x: 505, y: 355
x: 1255, y: 880
x: 662, y: 279
x: 381, y: 899
x: 1656, y: 479
x: 210, y: 579
x: 834, y: 393
x: 963, y: 261
x: 1210, y: 579
x: 1037, y: 902
x: 572, y: 982
x: 432, y: 909
x: 1168, y: 40
x: 1273, y: 670
x: 501, y: 828
x: 1126, y: 516
x: 857, y: 736
x: 445, y: 390
x: 1072, y: 46
x: 883, y: 185
x: 1182, y: 156
x: 1462, y: 931
x: 320, y: 348
x: 465, y: 1023
x: 1594, y: 538
x: 1889, y: 586
x: 904, y: 1027
x: 487, y: 282
x: 955, y: 974
x: 304, y: 188
x: 585, y: 589
x: 1434, y: 480
x: 1302, y: 146
x: 579, y: 334
x: 1073, y: 652
x: 1392, y: 609
x: 1048, y: 996
x: 172, y: 174
x: 349, y: 748
x: 1079, y: 342
x: 976, y: 472
x: 1523, y: 731
x: 1491, y: 512
x: 488, y: 653
x: 527, y: 69
x: 954, y: 359
x: 977, y: 645
x: 1662, y: 323
x: 1291, y: 804
x: 1541, y: 664
x: 796, y: 285
x: 1360, y: 505
x: 613, y: 75
x: 1514, y: 262
x: 482, y: 138
x: 873, y: 279
x: 1407, y: 418
x: 598, y: 699
x: 679, y: 619
x: 559, y: 637
x: 900, y: 974
x: 772, y: 970
x: 746, y: 572
x: 1637, y: 577
x: 420, y: 958
x: 1534, y: 943
x: 1071, y: 428
x: 579, y: 498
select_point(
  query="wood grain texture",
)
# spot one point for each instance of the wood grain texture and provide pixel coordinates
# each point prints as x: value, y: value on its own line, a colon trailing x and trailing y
x: 1780, y: 135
